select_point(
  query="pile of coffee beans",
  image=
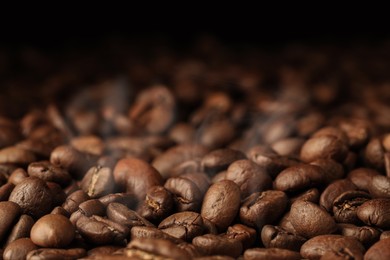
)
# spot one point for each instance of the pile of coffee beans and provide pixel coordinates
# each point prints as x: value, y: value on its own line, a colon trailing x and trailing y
x: 213, y: 153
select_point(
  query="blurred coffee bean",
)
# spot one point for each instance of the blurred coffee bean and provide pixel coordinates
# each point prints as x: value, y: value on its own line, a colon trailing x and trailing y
x: 16, y: 155
x: 145, y: 248
x: 127, y: 199
x: 379, y: 187
x: 152, y: 233
x: 271, y: 254
x: 324, y: 146
x: 183, y: 225
x: 21, y: 229
x: 220, y: 159
x: 218, y: 245
x: 5, y: 191
x: 53, y: 253
x: 288, y: 147
x: 331, y: 169
x: 88, y: 144
x: 49, y: 172
x: 18, y: 249
x: 17, y: 176
x: 98, y: 181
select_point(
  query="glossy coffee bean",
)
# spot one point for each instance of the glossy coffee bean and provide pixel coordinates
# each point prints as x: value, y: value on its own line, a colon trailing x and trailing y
x: 346, y: 204
x: 245, y: 234
x: 274, y: 236
x: 362, y: 177
x: 52, y: 230
x: 380, y: 250
x: 270, y: 254
x: 48, y: 172
x: 73, y: 201
x: 218, y: 245
x: 331, y: 169
x: 324, y: 146
x: 145, y: 248
x: 9, y: 213
x: 152, y: 233
x: 33, y: 196
x: 98, y: 181
x: 379, y: 187
x: 18, y: 249
x: 121, y: 214
x: 157, y: 205
x: 299, y: 177
x: 54, y: 253
x: 183, y: 225
x: 88, y: 208
x: 5, y: 191
x: 17, y: 176
x: 375, y: 212
x: 21, y: 229
x: 129, y: 200
x: 312, y: 195
x: 365, y: 234
x: 220, y: 159
x: 221, y: 203
x: 333, y: 190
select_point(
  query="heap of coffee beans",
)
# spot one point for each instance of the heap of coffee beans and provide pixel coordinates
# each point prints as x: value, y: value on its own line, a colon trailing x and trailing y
x: 210, y: 154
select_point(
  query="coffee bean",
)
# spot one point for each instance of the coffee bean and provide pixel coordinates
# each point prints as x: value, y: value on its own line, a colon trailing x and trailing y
x: 121, y: 214
x: 317, y: 246
x: 379, y: 187
x: 16, y: 155
x: 73, y: 201
x: 220, y: 159
x: 129, y: 200
x: 331, y: 169
x: 48, y: 172
x: 333, y: 191
x: 98, y: 181
x: 88, y: 208
x: 17, y: 176
x: 100, y: 231
x: 191, y: 249
x: 157, y: 205
x: 53, y: 253
x: 218, y: 245
x: 331, y: 131
x: 380, y: 250
x: 311, y: 195
x: 145, y: 248
x: 18, y: 249
x: 138, y: 232
x: 221, y: 203
x: 242, y: 233
x: 385, y: 234
x: 182, y: 133
x: 362, y: 177
x: 33, y: 196
x: 249, y: 177
x: 263, y: 208
x: 102, y: 250
x: 52, y: 230
x: 270, y: 254
x: 183, y: 225
x: 340, y: 254
x: 189, y: 166
x: 285, y: 223
x: 21, y: 229
x: 5, y: 191
x: 365, y: 234
x: 310, y: 220
x: 209, y: 227
x: 89, y: 144
x: 61, y: 211
x: 9, y: 213
x: 324, y: 146
x: 214, y: 257
x: 375, y: 212
x: 374, y: 154
x: 357, y: 131
x: 299, y: 177
x: 289, y: 147
x: 136, y: 176
x: 58, y: 194
x: 274, y: 236
x: 346, y: 204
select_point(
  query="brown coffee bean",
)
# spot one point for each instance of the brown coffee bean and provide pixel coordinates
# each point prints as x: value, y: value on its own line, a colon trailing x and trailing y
x: 98, y: 181
x: 299, y: 177
x: 249, y: 177
x: 263, y: 208
x: 331, y: 169
x: 88, y: 208
x: 242, y: 233
x: 157, y: 205
x: 18, y: 249
x: 375, y: 212
x: 346, y: 204
x: 183, y: 225
x: 5, y: 191
x: 16, y: 155
x: 366, y: 235
x: 274, y: 236
x: 53, y: 253
x: 121, y: 214
x: 33, y: 196
x: 270, y: 254
x: 380, y: 250
x: 182, y: 133
x: 138, y: 232
x: 324, y: 146
x: 17, y: 176
x: 333, y: 190
x: 317, y: 246
x: 89, y: 144
x: 310, y: 220
x: 385, y: 234
x: 189, y: 166
x: 220, y: 159
x: 332, y: 131
x: 285, y: 223
x: 209, y: 227
x: 9, y: 213
x: 357, y: 131
x: 52, y: 230
x: 58, y: 194
x: 145, y: 248
x: 362, y: 177
x: 21, y: 229
x: 289, y: 147
x: 136, y: 176
x: 73, y: 201
x: 312, y: 195
x: 374, y: 154
x: 216, y: 134
x: 379, y: 187
x: 218, y: 245
x: 48, y: 172
x: 61, y: 211
x: 221, y: 203
x: 129, y: 200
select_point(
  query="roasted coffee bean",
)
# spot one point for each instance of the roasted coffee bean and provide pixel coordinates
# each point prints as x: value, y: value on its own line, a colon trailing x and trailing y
x: 56, y: 254
x: 310, y: 220
x: 346, y: 204
x: 288, y: 146
x: 89, y: 144
x: 220, y: 159
x: 98, y: 181
x: 274, y: 236
x: 52, y: 230
x: 209, y: 227
x: 136, y: 176
x: 157, y: 205
x: 189, y: 166
x: 332, y: 131
x: 5, y: 191
x: 176, y: 155
x: 324, y: 146
x: 191, y: 249
x: 129, y: 200
x: 219, y: 177
x: 270, y: 254
x: 362, y: 177
x: 385, y: 234
x: 100, y: 231
x: 317, y: 246
x: 145, y: 248
x: 17, y: 176
x: 375, y: 212
x: 152, y: 233
x: 183, y: 225
x: 182, y: 133
x: 379, y: 187
x: 186, y: 194
x: 58, y: 194
x: 18, y: 249
x: 311, y: 195
x: 221, y: 203
x: 374, y: 154
x: 366, y: 235
x: 88, y: 208
x: 380, y: 250
x: 242, y: 233
x: 48, y: 172
x: 121, y: 214
x: 249, y: 177
x: 33, y: 196
x: 218, y: 245
x: 73, y: 201
x: 299, y: 177
x: 16, y: 155
x: 331, y: 169
x: 357, y: 131
x: 61, y: 211
x: 21, y: 229
x: 340, y: 254
x: 216, y: 134
x: 9, y: 213
x: 201, y: 180
x: 102, y: 250
x: 263, y: 208
x: 76, y: 162
x: 333, y: 190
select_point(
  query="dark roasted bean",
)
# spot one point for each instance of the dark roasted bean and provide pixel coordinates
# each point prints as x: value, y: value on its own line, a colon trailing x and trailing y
x: 98, y: 181
x: 274, y: 236
x: 270, y: 254
x: 218, y: 245
x: 18, y: 249
x: 375, y: 212
x: 121, y: 214
x: 183, y: 225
